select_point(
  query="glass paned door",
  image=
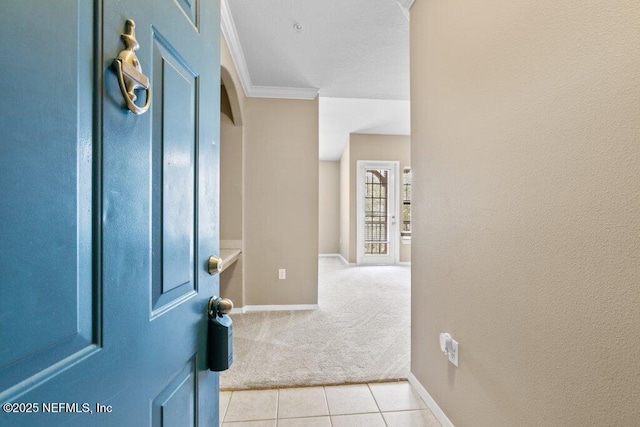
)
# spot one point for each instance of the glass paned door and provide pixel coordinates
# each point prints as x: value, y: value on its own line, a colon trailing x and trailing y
x: 376, y: 212
x: 377, y: 206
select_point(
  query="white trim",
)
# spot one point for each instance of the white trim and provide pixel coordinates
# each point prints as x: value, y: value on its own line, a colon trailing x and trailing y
x: 405, y: 6
x: 406, y: 3
x: 431, y: 403
x: 300, y: 307
x: 233, y: 41
x: 404, y: 263
x: 404, y: 11
x: 239, y: 310
x: 283, y: 92
x: 237, y: 55
x: 344, y: 261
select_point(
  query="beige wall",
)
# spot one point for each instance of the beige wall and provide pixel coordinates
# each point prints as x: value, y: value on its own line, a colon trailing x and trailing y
x: 375, y: 147
x: 230, y: 74
x: 230, y: 175
x: 270, y: 197
x: 232, y: 101
x: 281, y: 201
x: 231, y: 199
x: 526, y: 221
x: 345, y: 194
x: 231, y: 283
x: 329, y: 208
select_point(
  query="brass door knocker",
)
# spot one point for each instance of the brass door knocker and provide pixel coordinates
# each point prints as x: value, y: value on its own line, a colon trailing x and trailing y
x: 129, y: 71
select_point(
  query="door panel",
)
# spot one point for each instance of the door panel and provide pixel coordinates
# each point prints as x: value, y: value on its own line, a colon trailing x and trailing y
x: 176, y: 404
x: 190, y: 9
x: 110, y: 217
x: 46, y: 188
x: 174, y: 180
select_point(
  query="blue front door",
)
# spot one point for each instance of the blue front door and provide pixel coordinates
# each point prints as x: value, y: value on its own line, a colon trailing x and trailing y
x: 107, y: 217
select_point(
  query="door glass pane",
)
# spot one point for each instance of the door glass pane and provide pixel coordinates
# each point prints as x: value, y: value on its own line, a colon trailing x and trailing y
x: 406, y: 202
x: 376, y: 221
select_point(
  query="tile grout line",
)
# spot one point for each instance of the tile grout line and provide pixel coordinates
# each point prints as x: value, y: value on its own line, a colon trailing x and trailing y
x: 327, y: 408
x: 227, y: 408
x: 377, y: 404
x: 374, y: 397
x: 326, y: 402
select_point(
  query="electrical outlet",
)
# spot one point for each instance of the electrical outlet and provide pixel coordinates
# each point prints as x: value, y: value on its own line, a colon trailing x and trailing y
x: 282, y: 274
x: 453, y: 354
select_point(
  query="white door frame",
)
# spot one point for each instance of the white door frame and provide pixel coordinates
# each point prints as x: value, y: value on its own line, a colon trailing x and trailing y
x: 394, y: 211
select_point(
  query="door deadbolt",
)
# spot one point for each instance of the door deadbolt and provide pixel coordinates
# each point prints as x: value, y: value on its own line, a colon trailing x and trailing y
x: 214, y: 265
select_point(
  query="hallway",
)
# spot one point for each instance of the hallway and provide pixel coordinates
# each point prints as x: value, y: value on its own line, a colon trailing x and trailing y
x: 360, y: 333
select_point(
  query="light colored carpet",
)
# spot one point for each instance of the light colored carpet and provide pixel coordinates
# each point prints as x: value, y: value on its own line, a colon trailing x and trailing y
x: 360, y: 333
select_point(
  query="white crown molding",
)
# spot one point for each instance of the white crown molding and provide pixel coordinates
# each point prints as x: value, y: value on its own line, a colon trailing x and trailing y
x: 405, y: 6
x: 284, y: 92
x: 406, y: 3
x: 233, y: 41
x: 237, y: 55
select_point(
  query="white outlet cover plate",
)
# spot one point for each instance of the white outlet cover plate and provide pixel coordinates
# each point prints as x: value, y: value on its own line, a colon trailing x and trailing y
x: 453, y: 354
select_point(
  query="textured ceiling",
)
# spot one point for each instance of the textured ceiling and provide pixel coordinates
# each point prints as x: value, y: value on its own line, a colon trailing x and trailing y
x: 346, y: 49
x: 354, y: 53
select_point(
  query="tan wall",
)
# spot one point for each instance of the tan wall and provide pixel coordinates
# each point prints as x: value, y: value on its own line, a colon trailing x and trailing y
x: 231, y: 285
x: 227, y: 63
x: 230, y: 177
x: 281, y: 201
x: 231, y: 199
x: 526, y: 221
x: 345, y: 194
x: 329, y: 208
x: 375, y: 147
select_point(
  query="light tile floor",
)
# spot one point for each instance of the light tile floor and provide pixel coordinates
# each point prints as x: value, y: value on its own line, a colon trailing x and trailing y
x: 392, y: 404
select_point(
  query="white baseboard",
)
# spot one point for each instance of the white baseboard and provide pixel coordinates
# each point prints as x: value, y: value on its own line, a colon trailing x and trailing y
x: 424, y: 394
x: 293, y: 307
x: 344, y: 261
x: 404, y: 263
